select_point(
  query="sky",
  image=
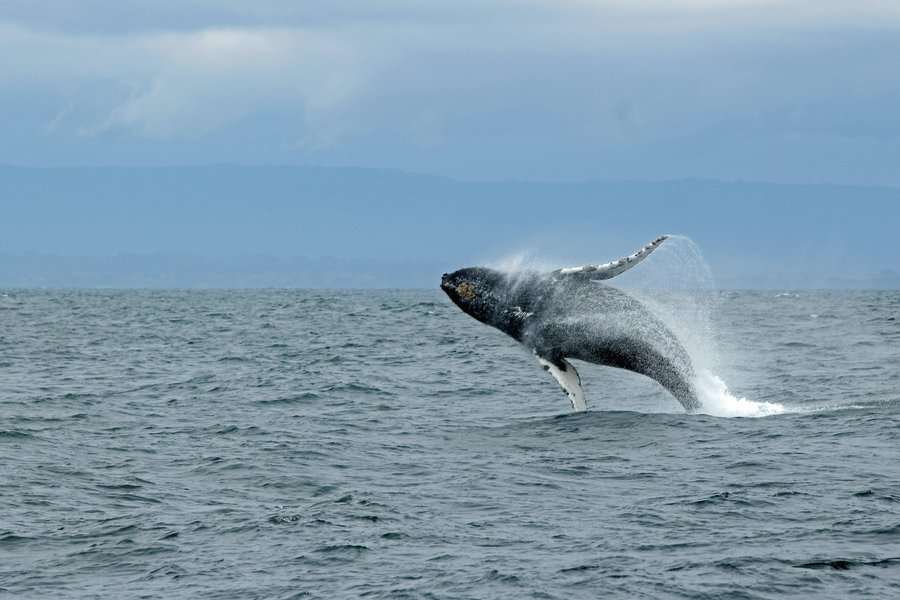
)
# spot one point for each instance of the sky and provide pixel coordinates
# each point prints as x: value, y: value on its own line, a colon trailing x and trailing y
x: 409, y: 137
x: 801, y: 91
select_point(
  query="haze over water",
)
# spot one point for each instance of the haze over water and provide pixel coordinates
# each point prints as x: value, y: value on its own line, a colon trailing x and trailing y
x: 287, y: 444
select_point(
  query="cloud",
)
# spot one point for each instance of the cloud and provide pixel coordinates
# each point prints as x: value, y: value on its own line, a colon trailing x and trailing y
x: 184, y: 84
x: 570, y: 87
x: 208, y: 79
x: 134, y: 16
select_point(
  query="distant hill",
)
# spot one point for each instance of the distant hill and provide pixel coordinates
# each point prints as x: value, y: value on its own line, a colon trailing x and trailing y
x: 227, y: 226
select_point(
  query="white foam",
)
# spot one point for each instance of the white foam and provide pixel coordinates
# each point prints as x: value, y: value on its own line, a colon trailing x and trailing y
x: 717, y: 401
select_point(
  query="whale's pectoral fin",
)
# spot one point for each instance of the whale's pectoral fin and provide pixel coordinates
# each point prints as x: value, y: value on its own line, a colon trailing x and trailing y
x: 616, y: 267
x: 568, y: 379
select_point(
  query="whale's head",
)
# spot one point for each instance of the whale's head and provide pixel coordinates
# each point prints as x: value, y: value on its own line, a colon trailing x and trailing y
x: 475, y: 291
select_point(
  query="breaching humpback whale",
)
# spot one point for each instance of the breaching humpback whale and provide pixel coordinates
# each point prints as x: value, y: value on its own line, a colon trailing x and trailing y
x: 570, y: 314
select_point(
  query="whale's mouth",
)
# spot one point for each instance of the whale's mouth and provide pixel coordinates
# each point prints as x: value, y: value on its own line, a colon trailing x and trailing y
x: 449, y: 289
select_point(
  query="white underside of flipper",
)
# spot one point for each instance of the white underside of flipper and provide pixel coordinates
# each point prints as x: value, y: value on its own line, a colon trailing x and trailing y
x: 568, y: 380
x: 615, y: 267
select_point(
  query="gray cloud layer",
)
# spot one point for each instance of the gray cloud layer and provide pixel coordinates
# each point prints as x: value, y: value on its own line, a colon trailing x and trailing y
x: 760, y: 89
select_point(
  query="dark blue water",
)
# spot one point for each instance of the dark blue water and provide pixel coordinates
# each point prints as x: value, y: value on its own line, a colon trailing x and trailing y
x: 305, y: 444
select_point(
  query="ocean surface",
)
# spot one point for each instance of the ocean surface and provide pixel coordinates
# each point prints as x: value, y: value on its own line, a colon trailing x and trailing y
x: 382, y: 444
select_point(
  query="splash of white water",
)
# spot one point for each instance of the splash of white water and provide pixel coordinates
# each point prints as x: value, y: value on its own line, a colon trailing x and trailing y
x: 677, y: 286
x: 684, y: 297
x: 716, y: 400
x: 520, y: 262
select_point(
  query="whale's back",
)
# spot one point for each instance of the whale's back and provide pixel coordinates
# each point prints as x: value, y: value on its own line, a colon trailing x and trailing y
x: 596, y: 323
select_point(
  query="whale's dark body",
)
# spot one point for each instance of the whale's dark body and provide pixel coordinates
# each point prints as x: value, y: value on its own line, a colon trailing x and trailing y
x: 570, y: 313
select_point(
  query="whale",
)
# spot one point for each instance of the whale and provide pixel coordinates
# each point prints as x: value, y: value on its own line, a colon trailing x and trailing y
x: 571, y: 314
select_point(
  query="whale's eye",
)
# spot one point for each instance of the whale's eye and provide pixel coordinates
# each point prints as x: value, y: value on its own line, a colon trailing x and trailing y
x: 466, y: 291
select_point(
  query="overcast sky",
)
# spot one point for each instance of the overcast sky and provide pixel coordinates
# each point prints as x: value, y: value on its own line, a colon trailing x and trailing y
x: 770, y: 90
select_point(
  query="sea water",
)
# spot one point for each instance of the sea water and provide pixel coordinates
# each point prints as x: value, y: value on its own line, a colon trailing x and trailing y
x: 382, y: 444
